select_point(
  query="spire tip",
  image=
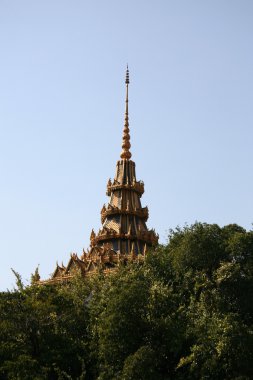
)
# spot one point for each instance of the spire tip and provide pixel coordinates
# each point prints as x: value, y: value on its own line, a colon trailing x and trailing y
x: 126, y: 154
x: 127, y: 76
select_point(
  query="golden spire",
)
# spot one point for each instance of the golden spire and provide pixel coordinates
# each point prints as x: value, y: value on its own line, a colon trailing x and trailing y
x: 126, y: 154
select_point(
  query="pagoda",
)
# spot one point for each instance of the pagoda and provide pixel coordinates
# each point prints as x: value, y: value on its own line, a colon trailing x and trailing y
x: 124, y: 235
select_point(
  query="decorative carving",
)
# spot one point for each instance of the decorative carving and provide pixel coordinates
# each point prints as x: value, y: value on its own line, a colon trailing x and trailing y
x: 114, y: 210
x: 92, y: 238
x: 138, y: 187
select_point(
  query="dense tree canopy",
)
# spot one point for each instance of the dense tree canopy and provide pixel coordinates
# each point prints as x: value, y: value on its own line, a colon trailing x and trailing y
x: 186, y: 313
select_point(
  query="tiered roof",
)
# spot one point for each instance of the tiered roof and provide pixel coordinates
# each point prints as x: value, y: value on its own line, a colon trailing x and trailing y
x: 124, y: 234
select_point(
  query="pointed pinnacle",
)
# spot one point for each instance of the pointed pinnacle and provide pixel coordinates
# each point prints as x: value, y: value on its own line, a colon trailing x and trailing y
x: 126, y: 154
x: 127, y: 76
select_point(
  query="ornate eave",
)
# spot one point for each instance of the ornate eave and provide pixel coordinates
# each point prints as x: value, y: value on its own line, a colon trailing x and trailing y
x: 141, y: 212
x: 106, y: 234
x: 138, y: 187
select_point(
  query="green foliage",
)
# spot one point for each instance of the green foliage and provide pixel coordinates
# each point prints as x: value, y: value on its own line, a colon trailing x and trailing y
x: 186, y: 313
x: 43, y: 331
x: 141, y: 365
x: 35, y: 277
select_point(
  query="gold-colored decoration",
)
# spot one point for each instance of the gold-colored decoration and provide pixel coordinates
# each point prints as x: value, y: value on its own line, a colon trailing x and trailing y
x: 138, y: 187
x: 126, y: 154
x: 123, y: 235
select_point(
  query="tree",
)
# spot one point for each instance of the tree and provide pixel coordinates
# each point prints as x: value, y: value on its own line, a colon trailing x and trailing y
x: 43, y: 332
x: 186, y: 313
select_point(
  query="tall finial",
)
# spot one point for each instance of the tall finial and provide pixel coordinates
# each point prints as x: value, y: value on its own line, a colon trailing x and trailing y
x: 127, y: 76
x: 126, y: 154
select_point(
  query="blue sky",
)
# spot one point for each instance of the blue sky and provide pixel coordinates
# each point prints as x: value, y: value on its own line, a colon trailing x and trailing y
x: 62, y: 69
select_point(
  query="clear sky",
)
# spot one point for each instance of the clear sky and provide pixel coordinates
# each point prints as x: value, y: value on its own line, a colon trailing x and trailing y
x: 62, y: 69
